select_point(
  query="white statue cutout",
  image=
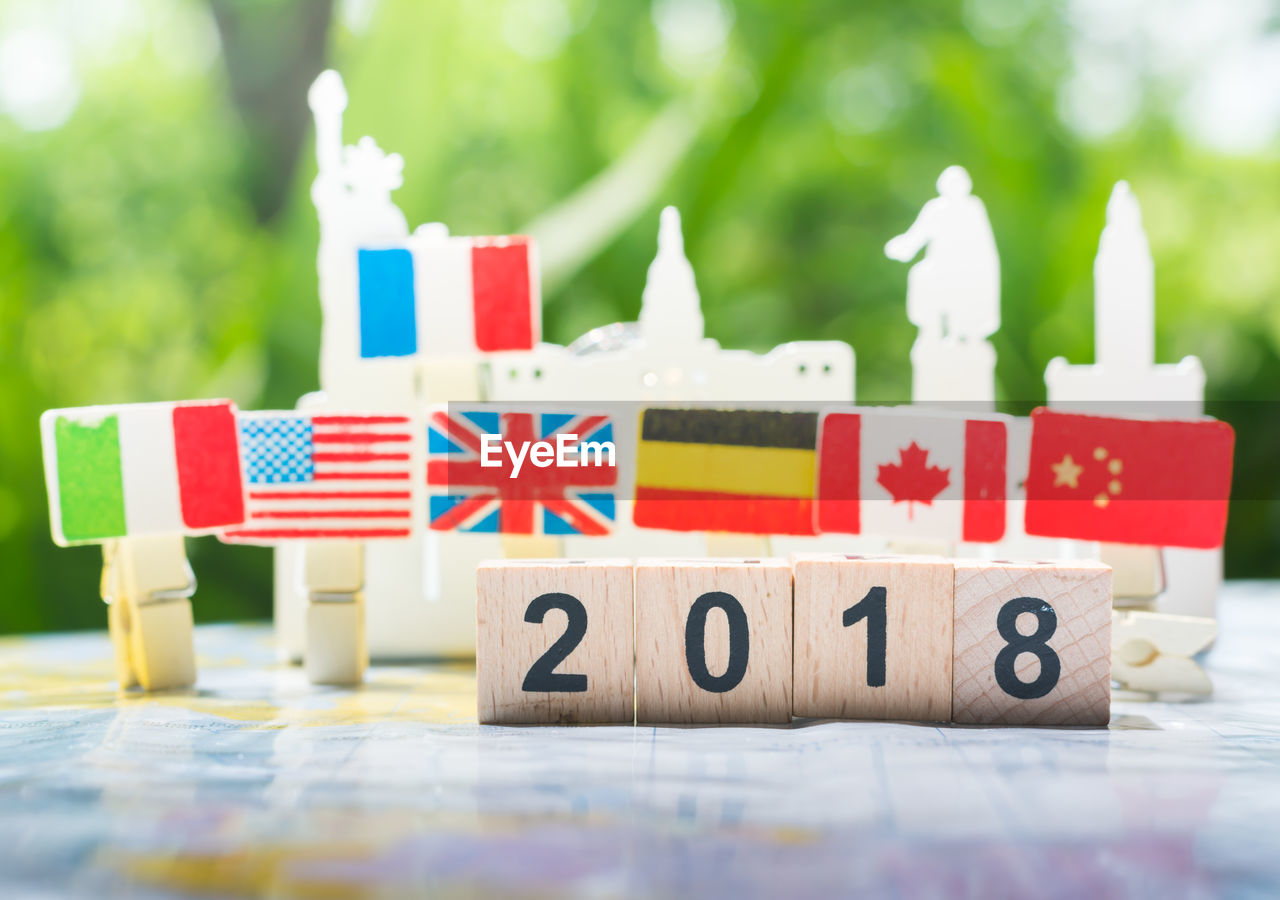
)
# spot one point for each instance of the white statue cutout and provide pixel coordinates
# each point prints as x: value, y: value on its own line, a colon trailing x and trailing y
x: 352, y: 190
x: 1124, y: 285
x: 954, y: 292
x: 670, y: 308
x: 953, y: 295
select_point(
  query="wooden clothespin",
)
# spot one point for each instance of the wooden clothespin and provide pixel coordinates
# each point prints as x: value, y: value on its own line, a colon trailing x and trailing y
x: 1152, y: 652
x: 337, y: 650
x: 147, y: 584
x: 728, y: 545
x: 532, y: 546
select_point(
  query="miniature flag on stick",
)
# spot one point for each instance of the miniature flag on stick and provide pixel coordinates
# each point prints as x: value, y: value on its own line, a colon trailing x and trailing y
x: 141, y: 469
x: 325, y: 475
x: 734, y: 470
x: 533, y: 498
x: 1129, y: 481
x: 905, y: 474
x: 443, y: 295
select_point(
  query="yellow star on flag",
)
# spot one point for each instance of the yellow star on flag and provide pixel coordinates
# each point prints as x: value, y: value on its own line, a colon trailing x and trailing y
x: 1066, y: 472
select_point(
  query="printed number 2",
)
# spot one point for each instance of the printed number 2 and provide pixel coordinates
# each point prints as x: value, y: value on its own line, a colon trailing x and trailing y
x: 542, y: 676
x: 1017, y: 643
x: 873, y: 608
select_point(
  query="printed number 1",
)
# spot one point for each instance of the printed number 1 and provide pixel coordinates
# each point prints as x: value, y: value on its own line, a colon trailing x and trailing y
x: 873, y: 608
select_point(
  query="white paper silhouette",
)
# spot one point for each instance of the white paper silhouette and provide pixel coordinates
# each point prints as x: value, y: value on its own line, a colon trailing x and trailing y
x: 954, y: 291
x: 670, y: 308
x: 1124, y: 284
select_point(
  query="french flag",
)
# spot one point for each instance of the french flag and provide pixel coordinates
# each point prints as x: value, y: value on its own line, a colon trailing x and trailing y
x: 437, y: 295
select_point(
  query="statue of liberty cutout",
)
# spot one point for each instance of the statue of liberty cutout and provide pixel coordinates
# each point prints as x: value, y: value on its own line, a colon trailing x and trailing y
x: 953, y: 295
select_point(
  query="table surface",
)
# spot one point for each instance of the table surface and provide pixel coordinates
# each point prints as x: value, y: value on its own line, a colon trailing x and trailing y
x: 258, y: 782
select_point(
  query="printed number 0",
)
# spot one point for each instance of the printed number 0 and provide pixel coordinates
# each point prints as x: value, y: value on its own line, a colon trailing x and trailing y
x: 695, y: 642
x: 1017, y: 643
x: 873, y: 608
x: 542, y: 676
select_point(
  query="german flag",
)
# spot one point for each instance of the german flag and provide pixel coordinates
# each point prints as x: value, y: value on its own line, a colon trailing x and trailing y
x: 738, y: 470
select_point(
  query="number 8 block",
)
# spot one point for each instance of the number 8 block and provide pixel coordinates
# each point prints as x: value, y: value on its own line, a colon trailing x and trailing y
x: 554, y: 641
x: 1032, y: 643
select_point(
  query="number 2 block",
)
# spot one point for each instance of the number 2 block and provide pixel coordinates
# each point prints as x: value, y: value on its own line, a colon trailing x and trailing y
x: 873, y: 637
x: 713, y: 641
x: 554, y: 641
x: 1032, y: 643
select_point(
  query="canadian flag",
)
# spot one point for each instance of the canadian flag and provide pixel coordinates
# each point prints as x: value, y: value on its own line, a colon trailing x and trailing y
x: 900, y: 473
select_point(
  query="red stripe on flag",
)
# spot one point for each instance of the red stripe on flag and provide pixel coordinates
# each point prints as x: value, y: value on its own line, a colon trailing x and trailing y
x: 329, y: 495
x: 360, y: 420
x: 677, y: 510
x: 208, y: 457
x: 361, y: 476
x: 331, y: 514
x: 502, y: 297
x: 296, y: 533
x: 357, y: 437
x: 985, y: 476
x: 839, y: 485
x: 360, y: 457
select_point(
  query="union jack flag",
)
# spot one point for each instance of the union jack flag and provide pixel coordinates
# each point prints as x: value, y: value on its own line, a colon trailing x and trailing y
x: 556, y: 500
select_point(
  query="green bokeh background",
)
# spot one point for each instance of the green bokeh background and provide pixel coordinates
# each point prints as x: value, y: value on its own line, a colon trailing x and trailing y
x: 160, y: 243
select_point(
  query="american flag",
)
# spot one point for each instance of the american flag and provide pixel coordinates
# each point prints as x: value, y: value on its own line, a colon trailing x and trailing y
x: 553, y: 500
x: 312, y: 475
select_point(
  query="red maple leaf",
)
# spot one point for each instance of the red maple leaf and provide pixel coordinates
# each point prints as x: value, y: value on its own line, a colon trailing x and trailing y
x: 912, y: 479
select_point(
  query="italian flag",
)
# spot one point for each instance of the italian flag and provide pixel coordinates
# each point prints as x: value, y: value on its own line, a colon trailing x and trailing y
x: 142, y: 468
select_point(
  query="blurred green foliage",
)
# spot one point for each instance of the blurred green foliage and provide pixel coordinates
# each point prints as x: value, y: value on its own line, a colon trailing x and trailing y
x: 160, y: 244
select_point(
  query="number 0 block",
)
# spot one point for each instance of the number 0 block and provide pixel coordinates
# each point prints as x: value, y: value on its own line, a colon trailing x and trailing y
x: 713, y: 641
x: 554, y: 641
x: 873, y: 637
x: 1032, y: 643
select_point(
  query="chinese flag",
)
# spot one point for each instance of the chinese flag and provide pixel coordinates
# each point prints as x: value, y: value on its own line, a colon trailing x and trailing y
x: 1129, y: 481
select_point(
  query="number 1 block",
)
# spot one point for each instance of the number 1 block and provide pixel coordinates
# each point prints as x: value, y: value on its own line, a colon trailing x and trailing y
x: 554, y: 641
x: 713, y: 641
x: 873, y: 637
x: 1032, y: 643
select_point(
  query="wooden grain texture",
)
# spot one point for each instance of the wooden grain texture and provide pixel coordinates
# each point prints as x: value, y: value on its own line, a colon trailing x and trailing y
x: 666, y: 689
x: 831, y: 671
x: 1079, y: 594
x: 508, y: 646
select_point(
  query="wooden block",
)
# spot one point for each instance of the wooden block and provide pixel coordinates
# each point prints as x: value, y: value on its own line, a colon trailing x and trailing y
x: 873, y: 637
x: 713, y: 641
x: 1032, y: 643
x: 555, y: 641
x: 336, y: 652
x: 161, y: 644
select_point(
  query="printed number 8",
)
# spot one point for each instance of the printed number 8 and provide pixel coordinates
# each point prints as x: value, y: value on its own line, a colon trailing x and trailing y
x: 1017, y: 644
